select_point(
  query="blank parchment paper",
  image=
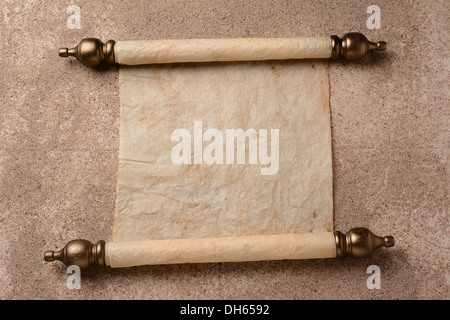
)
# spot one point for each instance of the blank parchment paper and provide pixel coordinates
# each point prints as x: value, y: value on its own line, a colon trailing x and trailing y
x: 158, y: 199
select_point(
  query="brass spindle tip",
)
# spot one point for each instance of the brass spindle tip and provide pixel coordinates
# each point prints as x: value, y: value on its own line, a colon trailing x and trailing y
x: 64, y: 52
x: 49, y: 256
x: 381, y: 45
x: 389, y: 241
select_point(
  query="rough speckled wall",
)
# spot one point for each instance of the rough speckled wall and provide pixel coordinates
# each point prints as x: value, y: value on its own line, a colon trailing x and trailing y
x: 59, y: 126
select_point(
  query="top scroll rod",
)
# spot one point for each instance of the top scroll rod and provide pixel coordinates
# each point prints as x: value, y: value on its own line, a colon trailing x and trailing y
x: 92, y: 52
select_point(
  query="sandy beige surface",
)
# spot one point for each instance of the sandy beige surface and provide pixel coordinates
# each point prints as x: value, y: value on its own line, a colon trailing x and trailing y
x: 59, y: 126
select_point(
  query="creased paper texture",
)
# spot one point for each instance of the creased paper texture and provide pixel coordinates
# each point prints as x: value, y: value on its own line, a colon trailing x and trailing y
x: 205, y: 50
x: 316, y: 245
x: 158, y: 199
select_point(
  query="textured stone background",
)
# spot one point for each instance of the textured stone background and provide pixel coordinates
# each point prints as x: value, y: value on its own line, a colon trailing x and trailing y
x: 59, y: 126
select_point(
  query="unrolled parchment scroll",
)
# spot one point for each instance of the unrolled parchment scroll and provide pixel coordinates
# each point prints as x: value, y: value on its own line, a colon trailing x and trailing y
x: 223, y: 162
x: 159, y: 198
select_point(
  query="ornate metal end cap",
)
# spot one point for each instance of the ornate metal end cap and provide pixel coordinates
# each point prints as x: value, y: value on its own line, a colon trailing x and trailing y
x: 354, y: 46
x: 81, y: 253
x: 91, y: 52
x: 360, y: 243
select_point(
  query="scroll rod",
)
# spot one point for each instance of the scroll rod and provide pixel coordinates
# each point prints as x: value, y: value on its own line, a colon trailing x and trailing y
x: 358, y: 243
x: 351, y: 47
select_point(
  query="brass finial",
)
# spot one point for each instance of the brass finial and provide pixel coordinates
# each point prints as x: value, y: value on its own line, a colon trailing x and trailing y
x: 79, y: 252
x: 354, y: 46
x: 359, y: 243
x: 91, y: 52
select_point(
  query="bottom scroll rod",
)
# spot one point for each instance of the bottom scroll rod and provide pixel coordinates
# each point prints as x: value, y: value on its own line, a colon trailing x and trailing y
x: 357, y: 243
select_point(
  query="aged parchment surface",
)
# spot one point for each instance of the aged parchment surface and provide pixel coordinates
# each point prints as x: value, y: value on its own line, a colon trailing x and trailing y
x: 157, y: 199
x: 204, y: 50
x: 223, y: 249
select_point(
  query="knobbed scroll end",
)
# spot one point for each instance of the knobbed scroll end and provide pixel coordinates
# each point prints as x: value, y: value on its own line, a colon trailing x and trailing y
x: 81, y: 253
x: 91, y: 52
x: 360, y: 243
x: 354, y: 46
